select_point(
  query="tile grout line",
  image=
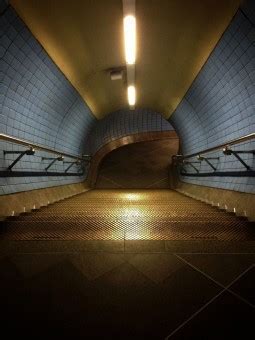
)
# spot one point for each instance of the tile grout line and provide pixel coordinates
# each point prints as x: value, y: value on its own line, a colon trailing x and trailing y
x: 215, y: 281
x: 162, y: 179
x: 214, y: 253
x: 207, y: 304
x: 110, y: 180
x: 118, y: 251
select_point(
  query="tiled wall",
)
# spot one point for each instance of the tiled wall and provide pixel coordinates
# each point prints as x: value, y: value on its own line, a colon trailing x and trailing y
x: 124, y: 123
x: 220, y: 104
x: 38, y: 104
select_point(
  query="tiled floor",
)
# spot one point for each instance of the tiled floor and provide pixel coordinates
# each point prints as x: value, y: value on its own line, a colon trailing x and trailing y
x: 125, y: 295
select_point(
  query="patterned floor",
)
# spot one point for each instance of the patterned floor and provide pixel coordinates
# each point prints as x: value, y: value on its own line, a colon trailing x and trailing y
x: 120, y: 214
x: 104, y: 295
x: 129, y: 277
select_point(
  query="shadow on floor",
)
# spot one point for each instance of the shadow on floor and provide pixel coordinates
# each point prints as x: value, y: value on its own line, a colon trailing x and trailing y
x: 139, y: 165
x: 84, y: 295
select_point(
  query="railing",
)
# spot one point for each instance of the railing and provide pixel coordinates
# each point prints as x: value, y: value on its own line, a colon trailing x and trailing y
x: 182, y: 161
x: 32, y: 148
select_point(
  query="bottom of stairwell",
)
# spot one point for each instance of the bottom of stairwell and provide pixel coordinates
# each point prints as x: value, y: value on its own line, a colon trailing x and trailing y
x: 127, y: 264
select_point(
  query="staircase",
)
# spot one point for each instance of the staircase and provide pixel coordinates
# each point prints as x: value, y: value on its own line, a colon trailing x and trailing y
x: 127, y: 264
x: 120, y: 214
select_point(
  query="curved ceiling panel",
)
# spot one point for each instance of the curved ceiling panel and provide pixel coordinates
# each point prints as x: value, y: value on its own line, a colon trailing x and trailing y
x: 85, y: 38
x: 123, y: 123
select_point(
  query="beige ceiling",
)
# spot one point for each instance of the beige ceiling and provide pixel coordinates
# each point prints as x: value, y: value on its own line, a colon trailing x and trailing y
x: 85, y: 38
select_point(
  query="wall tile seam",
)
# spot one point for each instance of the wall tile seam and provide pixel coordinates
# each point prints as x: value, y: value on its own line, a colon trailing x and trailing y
x: 59, y: 71
x: 200, y: 72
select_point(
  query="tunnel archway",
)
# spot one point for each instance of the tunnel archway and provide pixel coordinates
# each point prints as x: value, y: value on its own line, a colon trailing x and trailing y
x: 143, y: 162
x: 126, y: 127
x: 138, y: 256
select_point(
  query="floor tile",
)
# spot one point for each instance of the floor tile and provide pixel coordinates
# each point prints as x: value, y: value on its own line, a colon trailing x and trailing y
x: 210, y: 247
x: 141, y: 246
x: 8, y: 270
x: 245, y: 286
x: 47, y: 304
x: 181, y: 295
x: 93, y: 265
x: 32, y: 264
x: 225, y: 318
x: 122, y: 298
x: 223, y: 268
x: 143, y: 309
x: 157, y: 267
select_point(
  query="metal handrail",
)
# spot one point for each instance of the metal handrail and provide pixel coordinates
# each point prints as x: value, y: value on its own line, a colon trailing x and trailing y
x: 221, y: 146
x: 40, y: 147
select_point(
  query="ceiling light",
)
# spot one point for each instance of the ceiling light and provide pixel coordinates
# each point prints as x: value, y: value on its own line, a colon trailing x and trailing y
x: 131, y: 95
x: 130, y: 39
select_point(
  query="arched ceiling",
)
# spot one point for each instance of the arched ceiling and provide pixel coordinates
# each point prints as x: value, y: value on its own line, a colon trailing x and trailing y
x: 85, y: 38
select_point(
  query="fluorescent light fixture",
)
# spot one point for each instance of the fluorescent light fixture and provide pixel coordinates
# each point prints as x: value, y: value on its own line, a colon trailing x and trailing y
x: 130, y: 39
x: 131, y: 95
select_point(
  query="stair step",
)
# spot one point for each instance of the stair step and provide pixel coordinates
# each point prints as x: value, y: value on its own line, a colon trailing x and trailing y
x: 122, y: 214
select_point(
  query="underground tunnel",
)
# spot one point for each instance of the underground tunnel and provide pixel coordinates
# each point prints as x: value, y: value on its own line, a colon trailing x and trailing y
x: 127, y: 169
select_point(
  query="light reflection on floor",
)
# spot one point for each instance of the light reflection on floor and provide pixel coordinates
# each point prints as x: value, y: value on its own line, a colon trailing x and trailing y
x: 128, y: 215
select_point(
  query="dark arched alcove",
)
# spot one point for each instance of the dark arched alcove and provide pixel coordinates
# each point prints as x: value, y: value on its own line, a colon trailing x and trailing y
x: 138, y: 165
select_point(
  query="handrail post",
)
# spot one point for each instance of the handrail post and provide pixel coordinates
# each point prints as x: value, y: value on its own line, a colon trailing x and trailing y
x: 227, y: 151
x: 206, y: 159
x: 192, y: 165
x: 59, y: 158
x: 29, y: 152
x: 77, y: 162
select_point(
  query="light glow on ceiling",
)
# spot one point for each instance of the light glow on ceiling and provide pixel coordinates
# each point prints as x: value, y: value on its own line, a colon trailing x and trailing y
x: 131, y: 95
x: 130, y: 39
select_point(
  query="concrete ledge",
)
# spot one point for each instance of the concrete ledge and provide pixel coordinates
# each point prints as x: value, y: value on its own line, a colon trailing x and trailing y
x: 242, y: 204
x: 144, y: 246
x: 60, y: 246
x: 14, y: 204
x: 132, y: 247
